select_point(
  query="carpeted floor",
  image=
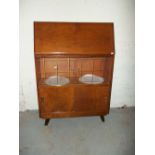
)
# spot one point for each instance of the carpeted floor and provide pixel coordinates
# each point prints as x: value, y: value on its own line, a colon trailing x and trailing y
x: 78, y: 136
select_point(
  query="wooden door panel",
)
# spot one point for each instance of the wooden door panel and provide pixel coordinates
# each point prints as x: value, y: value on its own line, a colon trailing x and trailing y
x: 91, y: 98
x: 102, y: 99
x: 83, y: 102
x: 73, y: 38
x: 56, y: 99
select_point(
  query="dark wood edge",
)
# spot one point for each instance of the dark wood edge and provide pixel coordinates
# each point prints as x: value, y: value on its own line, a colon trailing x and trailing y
x: 70, y: 22
x: 110, y: 90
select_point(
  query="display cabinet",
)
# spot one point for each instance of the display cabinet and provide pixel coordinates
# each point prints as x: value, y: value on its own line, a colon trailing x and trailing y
x: 74, y: 67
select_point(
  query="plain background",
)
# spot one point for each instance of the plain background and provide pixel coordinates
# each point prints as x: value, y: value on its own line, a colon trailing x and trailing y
x: 120, y: 12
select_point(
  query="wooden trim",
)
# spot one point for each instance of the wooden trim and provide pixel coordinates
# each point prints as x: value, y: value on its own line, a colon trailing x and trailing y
x: 71, y: 114
x: 48, y: 55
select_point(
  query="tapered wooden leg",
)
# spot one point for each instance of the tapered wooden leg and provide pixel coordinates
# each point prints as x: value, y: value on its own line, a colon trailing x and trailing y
x: 46, y: 121
x: 102, y: 118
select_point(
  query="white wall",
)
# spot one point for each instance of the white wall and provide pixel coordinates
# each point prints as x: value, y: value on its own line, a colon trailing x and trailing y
x: 121, y: 12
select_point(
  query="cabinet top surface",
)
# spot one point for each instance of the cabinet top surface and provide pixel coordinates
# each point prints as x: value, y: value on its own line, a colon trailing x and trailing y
x: 73, y: 38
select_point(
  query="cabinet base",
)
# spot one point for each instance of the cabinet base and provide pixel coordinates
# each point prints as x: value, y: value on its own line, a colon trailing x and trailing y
x: 48, y: 120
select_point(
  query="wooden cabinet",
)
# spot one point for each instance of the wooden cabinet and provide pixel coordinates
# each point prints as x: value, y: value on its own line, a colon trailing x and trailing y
x: 73, y: 50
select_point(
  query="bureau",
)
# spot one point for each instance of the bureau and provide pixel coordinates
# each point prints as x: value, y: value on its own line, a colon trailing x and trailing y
x: 74, y: 68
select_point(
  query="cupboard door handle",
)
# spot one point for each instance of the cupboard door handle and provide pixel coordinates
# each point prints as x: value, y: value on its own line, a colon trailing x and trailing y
x: 42, y: 100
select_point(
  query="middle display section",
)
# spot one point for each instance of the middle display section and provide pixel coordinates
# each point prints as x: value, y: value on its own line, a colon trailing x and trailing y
x: 63, y: 71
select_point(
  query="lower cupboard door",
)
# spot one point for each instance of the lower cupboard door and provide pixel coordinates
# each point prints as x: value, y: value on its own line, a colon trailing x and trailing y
x: 55, y: 99
x: 91, y: 99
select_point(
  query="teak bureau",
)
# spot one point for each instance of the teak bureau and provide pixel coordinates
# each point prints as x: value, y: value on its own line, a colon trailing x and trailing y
x: 77, y: 60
